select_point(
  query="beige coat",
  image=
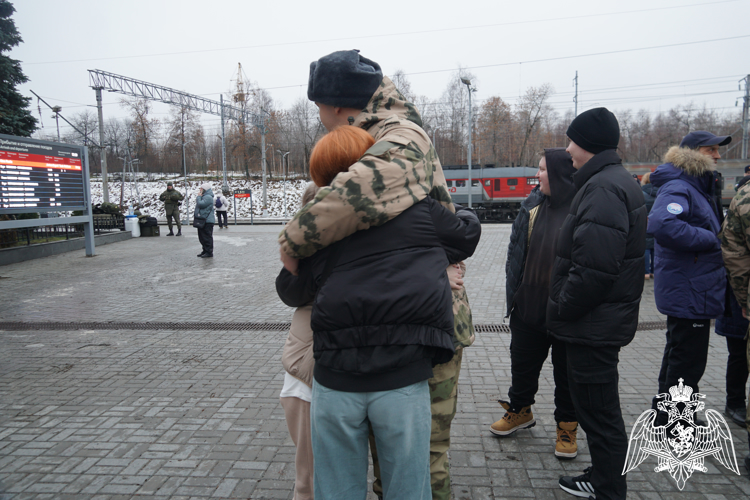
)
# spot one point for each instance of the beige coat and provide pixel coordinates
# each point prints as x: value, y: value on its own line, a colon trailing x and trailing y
x: 297, y: 356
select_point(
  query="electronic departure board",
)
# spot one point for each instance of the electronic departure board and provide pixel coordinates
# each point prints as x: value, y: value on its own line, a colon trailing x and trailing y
x: 40, y: 176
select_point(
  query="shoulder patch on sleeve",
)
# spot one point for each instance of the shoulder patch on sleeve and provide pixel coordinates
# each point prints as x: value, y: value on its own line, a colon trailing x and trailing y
x: 674, y: 208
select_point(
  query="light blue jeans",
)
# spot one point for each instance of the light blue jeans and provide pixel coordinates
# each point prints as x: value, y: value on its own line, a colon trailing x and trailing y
x: 401, y: 422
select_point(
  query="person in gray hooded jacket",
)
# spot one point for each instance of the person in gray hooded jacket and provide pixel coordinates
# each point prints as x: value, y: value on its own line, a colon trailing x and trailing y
x: 204, y: 207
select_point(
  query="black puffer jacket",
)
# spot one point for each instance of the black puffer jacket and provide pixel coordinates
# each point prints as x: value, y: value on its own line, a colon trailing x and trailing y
x: 384, y: 315
x: 517, y: 247
x: 597, y: 278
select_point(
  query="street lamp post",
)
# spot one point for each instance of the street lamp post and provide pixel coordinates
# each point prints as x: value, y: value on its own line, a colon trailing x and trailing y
x: 286, y: 171
x: 467, y: 82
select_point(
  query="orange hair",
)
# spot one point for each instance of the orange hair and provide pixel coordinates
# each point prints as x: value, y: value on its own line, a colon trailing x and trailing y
x: 336, y: 151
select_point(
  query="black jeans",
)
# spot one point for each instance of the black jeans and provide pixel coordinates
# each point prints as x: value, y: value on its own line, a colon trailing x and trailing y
x: 593, y: 378
x: 529, y: 347
x: 219, y: 215
x: 206, y: 237
x: 685, y: 354
x: 737, y: 373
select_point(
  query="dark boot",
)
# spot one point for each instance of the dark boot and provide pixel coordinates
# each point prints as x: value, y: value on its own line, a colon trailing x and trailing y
x: 179, y: 232
x: 170, y: 233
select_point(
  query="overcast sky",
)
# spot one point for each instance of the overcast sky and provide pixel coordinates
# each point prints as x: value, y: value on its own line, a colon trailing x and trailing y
x: 195, y: 46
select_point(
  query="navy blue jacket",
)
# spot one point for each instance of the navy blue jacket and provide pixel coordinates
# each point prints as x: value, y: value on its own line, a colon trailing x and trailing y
x: 690, y: 280
x: 734, y: 326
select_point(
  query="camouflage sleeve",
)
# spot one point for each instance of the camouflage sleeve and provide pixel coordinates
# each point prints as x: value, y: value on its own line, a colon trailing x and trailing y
x: 734, y: 245
x: 391, y: 176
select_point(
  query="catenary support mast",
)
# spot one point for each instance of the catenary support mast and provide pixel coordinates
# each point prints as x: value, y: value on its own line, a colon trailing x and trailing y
x: 111, y: 82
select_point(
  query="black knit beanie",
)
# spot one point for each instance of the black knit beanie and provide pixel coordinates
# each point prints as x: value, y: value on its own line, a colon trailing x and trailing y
x: 343, y: 79
x: 595, y: 130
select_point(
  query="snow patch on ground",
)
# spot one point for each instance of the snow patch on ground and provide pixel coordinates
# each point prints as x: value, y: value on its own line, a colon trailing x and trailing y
x: 148, y: 194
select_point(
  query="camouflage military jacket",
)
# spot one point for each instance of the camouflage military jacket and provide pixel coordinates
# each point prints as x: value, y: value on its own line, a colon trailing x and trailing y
x: 171, y: 198
x: 735, y: 244
x: 399, y: 170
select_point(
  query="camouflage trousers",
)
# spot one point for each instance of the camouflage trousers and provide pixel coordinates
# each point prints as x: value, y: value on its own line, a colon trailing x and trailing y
x: 443, y: 402
x: 176, y: 214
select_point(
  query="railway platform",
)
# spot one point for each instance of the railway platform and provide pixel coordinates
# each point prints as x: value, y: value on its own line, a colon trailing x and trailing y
x: 145, y: 372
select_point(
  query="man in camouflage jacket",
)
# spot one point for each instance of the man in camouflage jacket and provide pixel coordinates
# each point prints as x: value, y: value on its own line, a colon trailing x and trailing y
x: 399, y: 170
x: 735, y: 248
x: 171, y: 198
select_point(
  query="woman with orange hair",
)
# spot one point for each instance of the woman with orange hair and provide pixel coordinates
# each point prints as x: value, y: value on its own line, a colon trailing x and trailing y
x: 381, y: 319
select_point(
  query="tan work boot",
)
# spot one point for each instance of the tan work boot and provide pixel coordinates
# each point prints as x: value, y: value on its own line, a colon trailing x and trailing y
x: 566, y: 446
x: 511, y: 421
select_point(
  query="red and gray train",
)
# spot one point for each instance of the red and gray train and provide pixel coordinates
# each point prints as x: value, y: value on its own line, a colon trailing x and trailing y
x: 497, y: 193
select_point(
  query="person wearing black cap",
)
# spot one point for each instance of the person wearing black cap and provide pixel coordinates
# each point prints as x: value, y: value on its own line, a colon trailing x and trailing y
x: 397, y: 172
x: 744, y: 179
x: 171, y: 198
x: 690, y: 280
x: 595, y: 293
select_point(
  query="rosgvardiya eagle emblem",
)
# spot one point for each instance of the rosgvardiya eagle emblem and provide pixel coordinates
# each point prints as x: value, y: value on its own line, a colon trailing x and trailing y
x: 681, y: 446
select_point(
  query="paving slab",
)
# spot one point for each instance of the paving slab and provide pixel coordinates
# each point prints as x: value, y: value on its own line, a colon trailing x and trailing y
x: 176, y: 413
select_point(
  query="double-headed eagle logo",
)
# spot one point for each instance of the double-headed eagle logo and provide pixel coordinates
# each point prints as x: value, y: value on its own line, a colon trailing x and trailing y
x: 680, y: 445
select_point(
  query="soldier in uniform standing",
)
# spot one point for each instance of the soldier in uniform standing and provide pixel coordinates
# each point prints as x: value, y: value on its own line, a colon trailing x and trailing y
x: 172, y: 198
x: 400, y: 170
x: 735, y: 249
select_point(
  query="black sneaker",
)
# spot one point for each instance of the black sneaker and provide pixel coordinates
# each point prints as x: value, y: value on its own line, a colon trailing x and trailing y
x: 737, y: 415
x: 579, y: 486
x: 201, y: 254
x: 207, y: 256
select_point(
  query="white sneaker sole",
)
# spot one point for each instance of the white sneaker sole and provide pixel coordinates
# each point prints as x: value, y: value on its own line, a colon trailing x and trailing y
x: 577, y: 493
x: 568, y: 456
x: 530, y: 423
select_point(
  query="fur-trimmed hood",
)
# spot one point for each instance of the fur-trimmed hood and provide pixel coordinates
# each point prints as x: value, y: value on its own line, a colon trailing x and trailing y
x: 687, y: 164
x: 690, y: 161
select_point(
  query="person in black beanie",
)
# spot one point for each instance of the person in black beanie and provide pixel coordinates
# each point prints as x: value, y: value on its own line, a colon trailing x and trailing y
x: 595, y: 293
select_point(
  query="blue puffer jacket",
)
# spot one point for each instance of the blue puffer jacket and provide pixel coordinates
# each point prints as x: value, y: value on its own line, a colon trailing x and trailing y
x: 204, y: 206
x: 690, y: 279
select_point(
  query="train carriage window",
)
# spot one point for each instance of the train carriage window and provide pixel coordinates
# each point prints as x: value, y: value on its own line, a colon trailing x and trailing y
x: 512, y: 182
x: 497, y: 184
x: 474, y: 183
x: 460, y: 184
x: 532, y: 181
x: 449, y: 183
x: 487, y: 183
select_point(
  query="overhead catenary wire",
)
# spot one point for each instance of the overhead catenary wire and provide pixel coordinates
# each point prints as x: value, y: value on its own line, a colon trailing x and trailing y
x: 386, y: 35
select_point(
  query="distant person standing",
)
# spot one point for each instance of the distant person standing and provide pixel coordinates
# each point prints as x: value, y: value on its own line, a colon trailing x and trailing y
x: 690, y: 281
x: 531, y: 254
x: 221, y: 205
x: 595, y: 294
x: 204, y: 207
x: 649, y: 196
x: 172, y: 198
x: 742, y: 180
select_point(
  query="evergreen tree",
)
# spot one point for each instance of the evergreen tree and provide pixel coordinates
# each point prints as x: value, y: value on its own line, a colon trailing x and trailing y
x: 15, y: 118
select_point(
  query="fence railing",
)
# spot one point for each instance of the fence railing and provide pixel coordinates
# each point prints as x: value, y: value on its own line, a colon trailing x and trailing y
x: 47, y: 234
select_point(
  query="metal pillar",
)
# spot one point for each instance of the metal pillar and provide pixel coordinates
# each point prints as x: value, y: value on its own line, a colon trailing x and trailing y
x: 467, y: 82
x: 103, y: 150
x: 88, y: 227
x: 223, y: 142
x: 263, y: 164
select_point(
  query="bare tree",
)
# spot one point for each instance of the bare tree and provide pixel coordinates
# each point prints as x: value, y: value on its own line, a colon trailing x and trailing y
x: 531, y: 110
